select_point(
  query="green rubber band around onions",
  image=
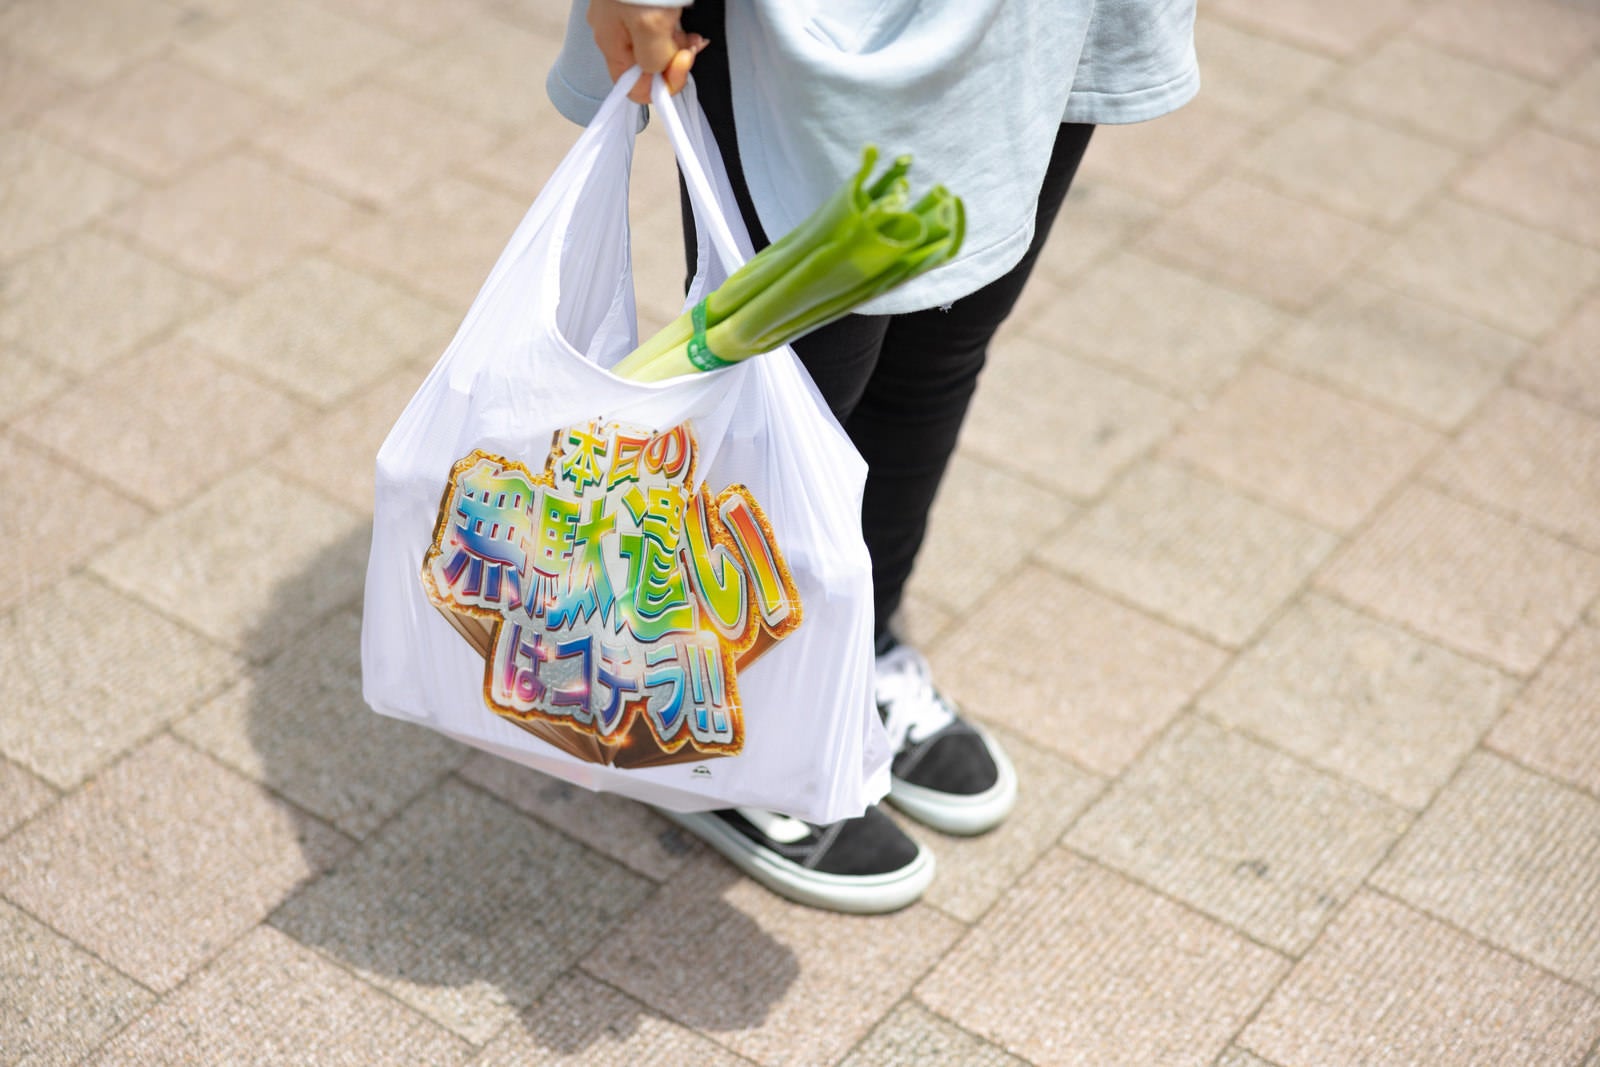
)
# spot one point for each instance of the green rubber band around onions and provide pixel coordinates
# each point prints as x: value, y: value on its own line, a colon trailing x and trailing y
x: 697, y: 350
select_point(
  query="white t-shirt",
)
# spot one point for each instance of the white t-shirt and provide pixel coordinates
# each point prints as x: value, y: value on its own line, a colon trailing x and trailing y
x: 973, y: 90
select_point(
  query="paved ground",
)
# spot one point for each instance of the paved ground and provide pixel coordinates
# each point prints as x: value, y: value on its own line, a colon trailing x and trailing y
x: 1286, y: 596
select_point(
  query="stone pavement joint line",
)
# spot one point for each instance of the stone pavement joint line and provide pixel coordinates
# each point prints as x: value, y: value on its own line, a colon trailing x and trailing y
x: 1306, y: 701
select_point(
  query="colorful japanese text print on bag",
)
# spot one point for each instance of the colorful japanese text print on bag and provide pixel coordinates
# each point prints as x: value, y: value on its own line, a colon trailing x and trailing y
x: 634, y: 673
x: 654, y: 589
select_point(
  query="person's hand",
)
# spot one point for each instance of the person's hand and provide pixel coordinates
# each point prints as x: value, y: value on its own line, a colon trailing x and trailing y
x: 651, y: 37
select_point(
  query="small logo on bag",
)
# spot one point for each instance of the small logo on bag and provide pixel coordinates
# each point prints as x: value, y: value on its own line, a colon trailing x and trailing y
x: 613, y: 606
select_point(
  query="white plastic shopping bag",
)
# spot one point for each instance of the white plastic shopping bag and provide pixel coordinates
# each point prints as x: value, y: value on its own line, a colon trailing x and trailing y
x: 658, y: 590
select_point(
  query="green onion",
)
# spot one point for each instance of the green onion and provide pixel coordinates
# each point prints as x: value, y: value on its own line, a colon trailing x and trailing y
x: 863, y: 241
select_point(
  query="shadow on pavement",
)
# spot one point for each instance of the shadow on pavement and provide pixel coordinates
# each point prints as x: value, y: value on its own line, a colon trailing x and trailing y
x: 467, y: 892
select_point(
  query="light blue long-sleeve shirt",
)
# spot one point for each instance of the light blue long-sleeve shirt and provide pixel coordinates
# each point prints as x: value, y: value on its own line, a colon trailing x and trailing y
x: 973, y: 89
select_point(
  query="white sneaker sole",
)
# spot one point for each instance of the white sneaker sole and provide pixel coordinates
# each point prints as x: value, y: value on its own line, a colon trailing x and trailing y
x: 870, y: 894
x: 954, y: 813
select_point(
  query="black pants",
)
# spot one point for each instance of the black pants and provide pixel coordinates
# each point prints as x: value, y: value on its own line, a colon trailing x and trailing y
x: 899, y: 384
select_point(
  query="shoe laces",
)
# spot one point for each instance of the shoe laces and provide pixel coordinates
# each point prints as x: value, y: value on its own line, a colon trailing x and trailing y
x: 912, y: 708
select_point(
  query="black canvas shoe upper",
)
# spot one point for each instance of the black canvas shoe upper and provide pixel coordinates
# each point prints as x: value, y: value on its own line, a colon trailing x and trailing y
x: 869, y: 845
x: 956, y: 760
x: 934, y: 747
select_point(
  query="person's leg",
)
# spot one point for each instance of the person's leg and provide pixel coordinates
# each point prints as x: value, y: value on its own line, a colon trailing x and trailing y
x: 946, y: 772
x: 867, y: 864
x: 908, y: 419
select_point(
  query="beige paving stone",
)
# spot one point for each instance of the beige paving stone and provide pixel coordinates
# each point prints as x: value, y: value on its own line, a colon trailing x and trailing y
x: 53, y: 519
x: 975, y: 872
x: 22, y: 796
x: 57, y: 1002
x: 162, y: 862
x: 335, y: 454
x: 158, y: 118
x: 656, y: 237
x: 1552, y: 726
x: 1351, y: 164
x: 1543, y: 180
x: 1301, y: 446
x: 376, y: 143
x: 27, y: 86
x: 47, y: 190
x: 464, y: 909
x: 1388, y: 986
x: 922, y: 622
x: 298, y: 52
x: 653, y: 184
x: 522, y: 165
x: 1512, y: 857
x: 543, y: 16
x: 1074, y: 436
x: 1536, y: 459
x: 773, y: 981
x: 1192, y: 551
x: 55, y: 301
x: 1537, y: 40
x: 1420, y: 88
x: 1506, y: 274
x: 182, y: 423
x: 1075, y: 673
x: 492, y: 71
x: 1095, y: 220
x: 1243, y: 833
x: 1572, y: 109
x: 323, y: 330
x: 1564, y: 368
x: 1168, y: 327
x: 212, y: 11
x: 584, y: 1022
x: 299, y: 727
x: 1400, y: 352
x: 249, y: 562
x: 26, y: 382
x: 1168, y: 160
x: 1237, y: 1057
x: 626, y: 831
x: 1252, y: 76
x: 269, y: 1000
x: 1342, y: 30
x: 912, y: 1036
x: 1077, y: 965
x: 1266, y: 244
x: 656, y: 220
x: 985, y: 523
x: 87, y: 673
x: 1360, y: 698
x: 90, y: 42
x: 440, y: 241
x: 415, y: 20
x: 1469, y: 579
x: 237, y: 219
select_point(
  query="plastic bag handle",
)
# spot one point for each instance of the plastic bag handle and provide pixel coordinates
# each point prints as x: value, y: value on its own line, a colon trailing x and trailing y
x: 701, y: 193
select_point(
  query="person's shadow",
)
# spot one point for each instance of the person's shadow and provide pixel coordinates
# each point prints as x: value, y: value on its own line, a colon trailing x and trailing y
x: 475, y: 887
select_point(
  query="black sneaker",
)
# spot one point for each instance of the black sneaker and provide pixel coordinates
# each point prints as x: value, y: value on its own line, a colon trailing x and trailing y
x: 947, y: 772
x: 864, y: 865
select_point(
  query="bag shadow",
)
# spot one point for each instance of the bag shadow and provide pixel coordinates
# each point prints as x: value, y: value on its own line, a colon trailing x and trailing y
x: 475, y: 890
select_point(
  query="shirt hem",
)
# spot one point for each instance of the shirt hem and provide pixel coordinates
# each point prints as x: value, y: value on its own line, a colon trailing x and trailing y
x: 962, y: 277
x: 1116, y: 109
